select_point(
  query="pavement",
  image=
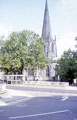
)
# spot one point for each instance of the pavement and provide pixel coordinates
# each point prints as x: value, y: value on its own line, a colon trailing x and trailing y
x: 12, y: 96
x: 47, y: 86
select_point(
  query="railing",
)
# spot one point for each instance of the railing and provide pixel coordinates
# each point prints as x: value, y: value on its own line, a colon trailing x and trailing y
x: 14, y: 79
x: 22, y: 79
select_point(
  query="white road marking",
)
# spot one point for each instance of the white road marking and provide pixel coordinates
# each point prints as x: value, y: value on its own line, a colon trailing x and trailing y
x: 21, y: 105
x: 64, y: 98
x: 19, y: 101
x: 41, y: 114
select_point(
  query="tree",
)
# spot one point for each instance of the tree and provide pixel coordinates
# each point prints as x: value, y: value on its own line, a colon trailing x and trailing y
x: 37, y: 55
x: 21, y: 51
x: 13, y: 53
x: 66, y: 66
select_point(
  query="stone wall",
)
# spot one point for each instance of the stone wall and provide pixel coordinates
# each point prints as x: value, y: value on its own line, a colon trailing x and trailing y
x: 46, y: 83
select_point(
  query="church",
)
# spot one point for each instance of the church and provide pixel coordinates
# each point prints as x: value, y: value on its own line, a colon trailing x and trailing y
x: 50, y: 49
x: 50, y: 44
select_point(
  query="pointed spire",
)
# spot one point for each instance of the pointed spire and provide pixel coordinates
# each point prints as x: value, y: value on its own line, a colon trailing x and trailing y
x: 46, y: 31
x: 46, y: 5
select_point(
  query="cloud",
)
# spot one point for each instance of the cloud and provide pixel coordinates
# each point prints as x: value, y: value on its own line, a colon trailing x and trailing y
x: 65, y: 42
x: 3, y: 30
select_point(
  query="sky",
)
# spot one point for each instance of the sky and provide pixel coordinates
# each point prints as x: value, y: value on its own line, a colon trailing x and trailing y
x: 17, y: 15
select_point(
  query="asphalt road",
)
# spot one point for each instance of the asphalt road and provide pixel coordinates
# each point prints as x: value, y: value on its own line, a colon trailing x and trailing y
x: 42, y: 108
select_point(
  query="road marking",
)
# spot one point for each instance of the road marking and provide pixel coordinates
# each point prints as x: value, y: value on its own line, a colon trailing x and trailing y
x: 64, y: 98
x: 19, y: 101
x: 41, y: 114
x: 21, y: 105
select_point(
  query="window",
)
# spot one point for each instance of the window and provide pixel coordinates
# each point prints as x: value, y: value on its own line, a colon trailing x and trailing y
x: 52, y: 47
x: 47, y: 71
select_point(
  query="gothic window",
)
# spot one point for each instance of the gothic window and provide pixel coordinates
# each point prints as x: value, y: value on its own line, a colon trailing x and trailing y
x: 47, y: 71
x: 53, y: 47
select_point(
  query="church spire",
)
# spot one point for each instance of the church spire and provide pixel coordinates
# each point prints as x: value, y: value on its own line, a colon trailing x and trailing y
x: 46, y: 31
x: 50, y: 44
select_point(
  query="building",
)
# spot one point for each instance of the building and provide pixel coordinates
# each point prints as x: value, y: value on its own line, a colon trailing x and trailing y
x: 50, y: 45
x: 50, y: 50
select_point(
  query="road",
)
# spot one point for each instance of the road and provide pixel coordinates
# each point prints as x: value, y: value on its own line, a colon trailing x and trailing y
x: 42, y: 108
x: 50, y: 90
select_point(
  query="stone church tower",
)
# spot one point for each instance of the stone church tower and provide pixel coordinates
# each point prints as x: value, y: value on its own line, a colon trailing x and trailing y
x: 50, y: 44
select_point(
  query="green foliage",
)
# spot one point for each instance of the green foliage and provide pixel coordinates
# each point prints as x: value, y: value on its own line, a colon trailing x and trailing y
x: 22, y: 50
x: 36, y: 55
x: 67, y: 66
